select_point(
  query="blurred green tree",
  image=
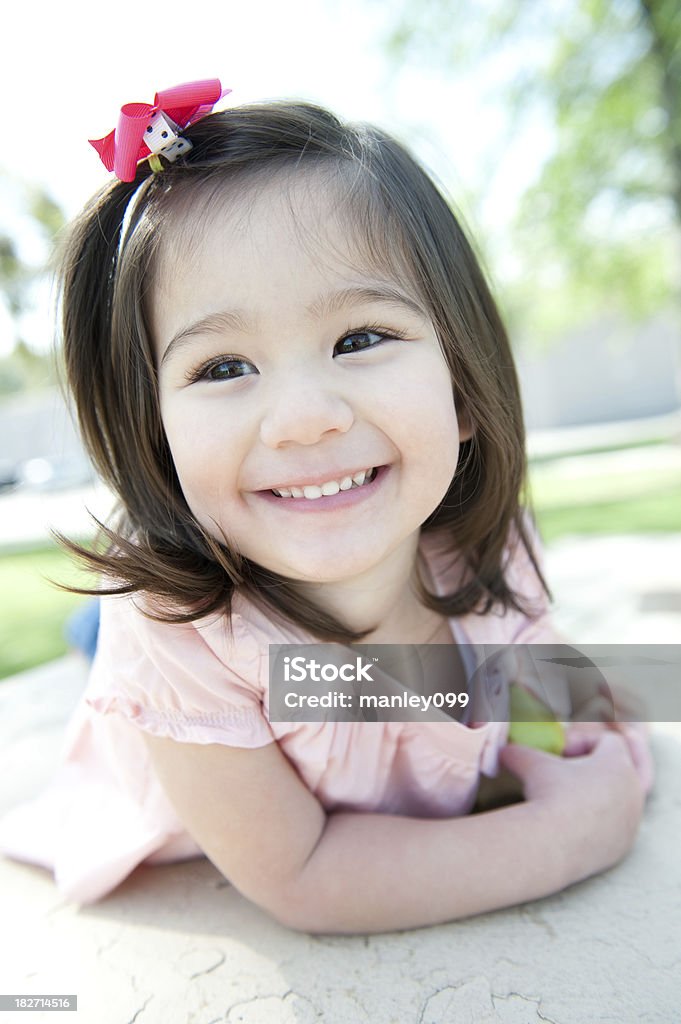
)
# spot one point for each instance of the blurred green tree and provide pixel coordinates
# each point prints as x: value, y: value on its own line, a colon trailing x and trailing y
x: 600, y: 219
x: 23, y: 367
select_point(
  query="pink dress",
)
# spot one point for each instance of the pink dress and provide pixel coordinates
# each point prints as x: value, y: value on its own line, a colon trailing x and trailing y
x: 105, y: 811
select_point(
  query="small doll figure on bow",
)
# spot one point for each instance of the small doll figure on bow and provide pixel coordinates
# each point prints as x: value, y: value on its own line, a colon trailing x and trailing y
x: 147, y: 131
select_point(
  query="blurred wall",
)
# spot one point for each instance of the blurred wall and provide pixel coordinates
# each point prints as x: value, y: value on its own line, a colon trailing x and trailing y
x: 38, y: 424
x: 605, y: 373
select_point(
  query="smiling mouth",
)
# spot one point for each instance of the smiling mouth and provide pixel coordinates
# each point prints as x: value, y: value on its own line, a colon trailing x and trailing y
x: 330, y: 487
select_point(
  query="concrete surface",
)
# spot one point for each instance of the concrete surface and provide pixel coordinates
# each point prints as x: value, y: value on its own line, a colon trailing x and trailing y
x: 178, y: 945
x: 618, y: 589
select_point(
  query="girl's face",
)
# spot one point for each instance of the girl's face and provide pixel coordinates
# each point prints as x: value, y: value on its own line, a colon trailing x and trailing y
x: 287, y: 368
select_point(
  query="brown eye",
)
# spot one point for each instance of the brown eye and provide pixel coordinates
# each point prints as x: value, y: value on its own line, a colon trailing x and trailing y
x: 227, y: 369
x: 358, y: 341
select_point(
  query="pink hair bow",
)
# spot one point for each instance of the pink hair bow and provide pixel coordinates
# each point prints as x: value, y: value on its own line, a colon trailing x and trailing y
x: 147, y: 129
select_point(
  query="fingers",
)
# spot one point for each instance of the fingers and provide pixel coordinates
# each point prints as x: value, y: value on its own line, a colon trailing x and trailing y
x: 521, y: 760
x: 637, y: 744
x: 626, y: 744
x: 582, y: 738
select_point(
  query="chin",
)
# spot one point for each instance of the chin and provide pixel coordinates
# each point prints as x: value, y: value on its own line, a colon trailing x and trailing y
x: 325, y: 570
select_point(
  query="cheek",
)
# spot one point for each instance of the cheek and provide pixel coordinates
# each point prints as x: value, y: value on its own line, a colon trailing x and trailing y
x: 428, y: 418
x: 204, y: 463
x: 434, y: 446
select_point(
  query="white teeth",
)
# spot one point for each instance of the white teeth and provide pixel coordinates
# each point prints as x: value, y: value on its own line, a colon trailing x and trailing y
x: 328, y: 488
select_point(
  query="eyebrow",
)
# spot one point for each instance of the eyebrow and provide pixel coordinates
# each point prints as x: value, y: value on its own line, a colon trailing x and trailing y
x: 236, y: 320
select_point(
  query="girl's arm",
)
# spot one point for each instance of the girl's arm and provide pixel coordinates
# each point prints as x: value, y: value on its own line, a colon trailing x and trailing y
x: 349, y: 872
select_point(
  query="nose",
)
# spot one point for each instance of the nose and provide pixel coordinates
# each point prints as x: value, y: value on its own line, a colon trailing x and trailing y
x: 303, y: 415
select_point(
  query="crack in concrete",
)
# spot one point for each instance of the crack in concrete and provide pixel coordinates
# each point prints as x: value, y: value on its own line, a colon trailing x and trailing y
x: 274, y: 995
x: 207, y: 970
x: 658, y: 965
x: 549, y: 1020
x: 256, y: 999
x: 107, y: 946
x: 436, y: 992
x: 536, y: 918
x: 507, y: 960
x: 495, y: 998
x: 141, y: 1010
x: 536, y: 1002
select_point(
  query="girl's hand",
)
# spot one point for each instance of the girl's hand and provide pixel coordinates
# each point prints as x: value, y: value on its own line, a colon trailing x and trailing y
x: 597, y: 798
x: 581, y: 737
x: 597, y: 717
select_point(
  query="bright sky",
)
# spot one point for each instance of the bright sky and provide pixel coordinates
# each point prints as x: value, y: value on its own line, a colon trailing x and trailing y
x: 68, y: 67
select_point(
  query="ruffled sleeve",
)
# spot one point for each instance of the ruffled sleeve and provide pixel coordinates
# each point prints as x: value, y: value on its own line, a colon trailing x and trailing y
x: 105, y: 810
x: 536, y: 632
x: 507, y: 642
x: 537, y: 627
x: 198, y: 682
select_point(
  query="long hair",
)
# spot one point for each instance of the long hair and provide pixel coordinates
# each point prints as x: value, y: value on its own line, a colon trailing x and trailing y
x: 155, y: 546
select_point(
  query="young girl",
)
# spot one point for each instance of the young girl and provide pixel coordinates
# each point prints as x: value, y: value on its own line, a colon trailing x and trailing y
x: 288, y: 366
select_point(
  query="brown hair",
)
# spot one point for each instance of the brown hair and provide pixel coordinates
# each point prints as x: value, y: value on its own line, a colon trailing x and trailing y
x: 156, y: 546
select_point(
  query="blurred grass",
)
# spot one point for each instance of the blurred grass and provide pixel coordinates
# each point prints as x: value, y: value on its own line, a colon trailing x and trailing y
x: 576, y: 496
x: 32, y: 611
x: 573, y: 497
